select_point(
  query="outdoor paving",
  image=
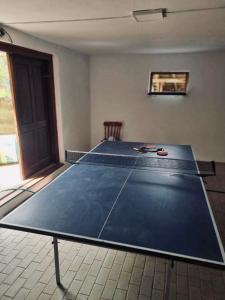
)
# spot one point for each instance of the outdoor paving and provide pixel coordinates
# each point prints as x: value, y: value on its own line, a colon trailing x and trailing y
x: 10, y: 176
x: 88, y: 272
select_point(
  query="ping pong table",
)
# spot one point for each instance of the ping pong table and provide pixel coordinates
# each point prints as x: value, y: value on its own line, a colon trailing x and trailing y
x: 161, y: 212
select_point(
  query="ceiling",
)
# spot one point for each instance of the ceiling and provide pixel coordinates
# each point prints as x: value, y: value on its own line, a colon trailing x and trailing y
x: 183, y: 32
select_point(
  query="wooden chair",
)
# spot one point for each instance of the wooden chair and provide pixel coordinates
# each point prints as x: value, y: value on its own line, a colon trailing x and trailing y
x: 112, y: 130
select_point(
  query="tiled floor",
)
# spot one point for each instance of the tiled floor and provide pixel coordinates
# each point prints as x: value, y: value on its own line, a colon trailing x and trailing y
x: 87, y: 272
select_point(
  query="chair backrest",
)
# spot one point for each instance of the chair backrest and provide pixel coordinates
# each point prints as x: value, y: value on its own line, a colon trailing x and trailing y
x: 112, y: 129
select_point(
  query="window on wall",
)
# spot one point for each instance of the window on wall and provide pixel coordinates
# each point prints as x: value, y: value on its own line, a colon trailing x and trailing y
x: 168, y: 83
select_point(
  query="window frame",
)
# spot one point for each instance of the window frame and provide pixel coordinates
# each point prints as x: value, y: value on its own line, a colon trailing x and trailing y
x: 151, y: 75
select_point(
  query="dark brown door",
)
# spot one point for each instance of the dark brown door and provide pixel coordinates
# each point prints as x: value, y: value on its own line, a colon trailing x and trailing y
x: 30, y: 78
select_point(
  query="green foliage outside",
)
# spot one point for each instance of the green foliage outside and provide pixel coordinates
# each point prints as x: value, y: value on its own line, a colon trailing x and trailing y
x: 7, y: 121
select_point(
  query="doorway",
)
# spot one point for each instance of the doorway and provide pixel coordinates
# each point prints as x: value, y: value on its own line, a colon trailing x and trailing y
x: 28, y: 115
x: 10, y: 175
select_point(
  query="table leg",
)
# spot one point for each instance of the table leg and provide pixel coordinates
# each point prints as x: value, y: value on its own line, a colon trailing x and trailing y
x: 56, y: 256
x: 170, y: 268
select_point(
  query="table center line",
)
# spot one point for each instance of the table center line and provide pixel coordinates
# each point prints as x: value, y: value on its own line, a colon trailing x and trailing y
x: 131, y: 171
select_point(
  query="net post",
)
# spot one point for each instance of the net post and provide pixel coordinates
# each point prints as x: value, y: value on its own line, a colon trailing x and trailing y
x: 56, y: 256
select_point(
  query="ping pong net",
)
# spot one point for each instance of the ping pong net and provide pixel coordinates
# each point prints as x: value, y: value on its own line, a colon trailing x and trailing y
x: 200, y: 168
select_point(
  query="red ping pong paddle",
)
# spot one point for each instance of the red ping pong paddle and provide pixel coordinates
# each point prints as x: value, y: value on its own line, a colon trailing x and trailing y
x: 162, y: 153
x: 149, y: 146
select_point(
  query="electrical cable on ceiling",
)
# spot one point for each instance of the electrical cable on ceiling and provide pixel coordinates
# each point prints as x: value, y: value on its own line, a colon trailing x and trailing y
x: 195, y: 10
x: 3, y: 32
x: 113, y: 17
x: 68, y: 20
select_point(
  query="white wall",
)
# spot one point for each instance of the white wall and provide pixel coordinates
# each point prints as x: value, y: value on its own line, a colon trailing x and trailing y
x: 118, y: 91
x: 71, y: 75
x: 118, y: 88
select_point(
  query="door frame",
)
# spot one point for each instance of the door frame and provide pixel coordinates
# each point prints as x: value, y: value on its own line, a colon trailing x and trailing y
x: 14, y: 49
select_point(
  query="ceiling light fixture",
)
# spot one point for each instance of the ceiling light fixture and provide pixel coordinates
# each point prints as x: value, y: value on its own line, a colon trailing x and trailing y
x: 149, y: 14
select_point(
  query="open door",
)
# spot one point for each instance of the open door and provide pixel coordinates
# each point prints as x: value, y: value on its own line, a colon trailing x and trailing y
x: 35, y: 113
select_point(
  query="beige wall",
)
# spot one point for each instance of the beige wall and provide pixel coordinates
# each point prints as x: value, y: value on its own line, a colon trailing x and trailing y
x: 118, y: 91
x: 71, y: 74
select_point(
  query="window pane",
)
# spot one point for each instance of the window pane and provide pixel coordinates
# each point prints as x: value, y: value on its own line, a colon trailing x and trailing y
x: 7, y: 120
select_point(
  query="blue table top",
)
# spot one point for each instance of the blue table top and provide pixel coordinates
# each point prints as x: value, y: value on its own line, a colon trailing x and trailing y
x: 160, y: 213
